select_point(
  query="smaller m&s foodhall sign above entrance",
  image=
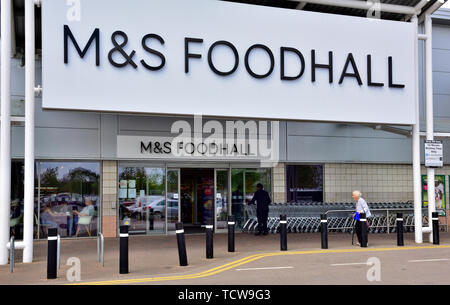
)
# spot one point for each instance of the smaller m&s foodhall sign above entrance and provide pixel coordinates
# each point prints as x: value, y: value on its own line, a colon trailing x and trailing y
x: 215, y: 58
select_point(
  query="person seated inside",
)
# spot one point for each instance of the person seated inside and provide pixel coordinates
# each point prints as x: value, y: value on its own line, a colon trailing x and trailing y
x: 47, y: 217
x: 88, y: 210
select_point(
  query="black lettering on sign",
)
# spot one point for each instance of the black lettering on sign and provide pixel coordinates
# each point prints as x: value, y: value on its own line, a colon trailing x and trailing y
x: 95, y: 36
x: 328, y: 66
x: 188, y: 55
x: 271, y: 58
x: 302, y: 62
x: 119, y: 48
x: 369, y: 74
x: 150, y: 50
x: 236, y: 57
x: 168, y: 147
x: 391, y: 77
x: 147, y: 148
x: 355, y: 74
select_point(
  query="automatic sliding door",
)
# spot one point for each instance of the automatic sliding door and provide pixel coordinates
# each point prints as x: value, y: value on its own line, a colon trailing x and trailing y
x: 237, y: 196
x: 142, y: 203
x: 173, y: 211
x: 222, y: 196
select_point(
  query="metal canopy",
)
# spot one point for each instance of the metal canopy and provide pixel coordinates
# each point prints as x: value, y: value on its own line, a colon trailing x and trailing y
x: 313, y: 6
x: 308, y: 5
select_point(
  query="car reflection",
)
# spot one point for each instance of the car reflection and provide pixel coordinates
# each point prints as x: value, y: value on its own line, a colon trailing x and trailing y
x: 154, y: 205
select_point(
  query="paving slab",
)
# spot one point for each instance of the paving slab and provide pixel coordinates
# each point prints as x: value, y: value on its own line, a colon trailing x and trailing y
x: 157, y: 256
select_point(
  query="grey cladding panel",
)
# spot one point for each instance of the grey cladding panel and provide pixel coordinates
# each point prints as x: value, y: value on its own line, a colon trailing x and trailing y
x: 441, y: 83
x: 441, y: 60
x: 336, y: 130
x: 332, y: 149
x: 109, y: 127
x: 441, y: 34
x: 67, y: 143
x: 65, y: 119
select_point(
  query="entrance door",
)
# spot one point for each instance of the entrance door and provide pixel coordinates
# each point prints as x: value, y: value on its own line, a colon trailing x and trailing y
x: 197, y: 198
x: 223, y: 207
x: 172, y: 198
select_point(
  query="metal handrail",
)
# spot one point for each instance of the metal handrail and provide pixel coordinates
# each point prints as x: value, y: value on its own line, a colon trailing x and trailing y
x: 392, y: 209
x: 58, y: 252
x: 11, y: 254
x: 101, y: 249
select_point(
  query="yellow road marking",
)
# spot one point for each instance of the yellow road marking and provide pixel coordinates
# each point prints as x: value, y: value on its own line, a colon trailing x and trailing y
x: 249, y: 259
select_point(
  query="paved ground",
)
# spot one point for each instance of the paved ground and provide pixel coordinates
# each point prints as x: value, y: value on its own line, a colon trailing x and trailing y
x: 257, y: 260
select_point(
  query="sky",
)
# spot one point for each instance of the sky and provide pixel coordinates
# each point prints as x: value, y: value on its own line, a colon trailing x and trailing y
x: 446, y: 4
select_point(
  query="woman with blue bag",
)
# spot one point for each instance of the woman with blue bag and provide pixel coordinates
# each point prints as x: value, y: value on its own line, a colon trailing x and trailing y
x: 361, y: 207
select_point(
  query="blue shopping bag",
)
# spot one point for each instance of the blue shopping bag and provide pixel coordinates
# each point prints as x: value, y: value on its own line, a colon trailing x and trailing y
x: 356, y: 217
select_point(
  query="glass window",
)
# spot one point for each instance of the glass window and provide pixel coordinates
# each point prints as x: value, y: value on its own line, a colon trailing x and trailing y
x: 237, y: 195
x: 243, y: 184
x: 172, y: 198
x: 252, y: 178
x: 222, y: 198
x: 69, y: 198
x: 142, y: 203
x: 305, y: 183
x: 17, y: 197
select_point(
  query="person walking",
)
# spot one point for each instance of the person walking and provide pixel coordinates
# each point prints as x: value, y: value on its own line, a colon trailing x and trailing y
x: 361, y: 207
x: 262, y: 199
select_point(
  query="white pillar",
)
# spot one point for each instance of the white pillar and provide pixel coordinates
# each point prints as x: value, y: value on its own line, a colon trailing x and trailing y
x: 29, y: 132
x: 429, y: 115
x: 5, y: 141
x: 416, y: 146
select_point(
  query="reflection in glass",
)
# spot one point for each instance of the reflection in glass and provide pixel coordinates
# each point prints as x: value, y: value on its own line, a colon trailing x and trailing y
x: 17, y: 200
x: 243, y: 184
x: 222, y: 198
x: 252, y: 178
x: 142, y: 203
x: 305, y: 183
x: 69, y: 198
x: 237, y: 196
x: 172, y: 198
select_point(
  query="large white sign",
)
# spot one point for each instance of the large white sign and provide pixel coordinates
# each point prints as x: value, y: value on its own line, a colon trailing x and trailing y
x: 225, y: 59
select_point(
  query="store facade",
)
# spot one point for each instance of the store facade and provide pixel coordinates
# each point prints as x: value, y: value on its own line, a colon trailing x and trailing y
x: 90, y: 179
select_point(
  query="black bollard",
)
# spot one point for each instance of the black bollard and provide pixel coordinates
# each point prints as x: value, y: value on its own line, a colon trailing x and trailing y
x: 324, y: 230
x: 363, y: 220
x: 209, y: 240
x: 181, y: 244
x: 151, y: 220
x: 51, y: 255
x: 283, y: 233
x: 123, y: 266
x: 400, y: 229
x: 435, y: 218
x: 231, y: 224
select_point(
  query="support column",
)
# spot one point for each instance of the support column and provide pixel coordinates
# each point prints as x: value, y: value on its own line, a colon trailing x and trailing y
x: 416, y: 147
x: 279, y: 183
x: 109, y: 198
x: 429, y: 115
x: 29, y: 132
x: 5, y: 138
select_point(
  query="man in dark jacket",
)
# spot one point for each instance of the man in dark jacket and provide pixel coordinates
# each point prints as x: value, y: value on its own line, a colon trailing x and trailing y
x: 263, y: 200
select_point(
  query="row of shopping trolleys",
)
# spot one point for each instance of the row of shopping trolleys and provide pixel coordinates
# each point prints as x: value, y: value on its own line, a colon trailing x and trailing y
x: 304, y: 217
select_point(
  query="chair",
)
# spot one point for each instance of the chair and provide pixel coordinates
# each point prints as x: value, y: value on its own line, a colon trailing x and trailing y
x: 86, y: 222
x: 44, y: 226
x: 14, y: 222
